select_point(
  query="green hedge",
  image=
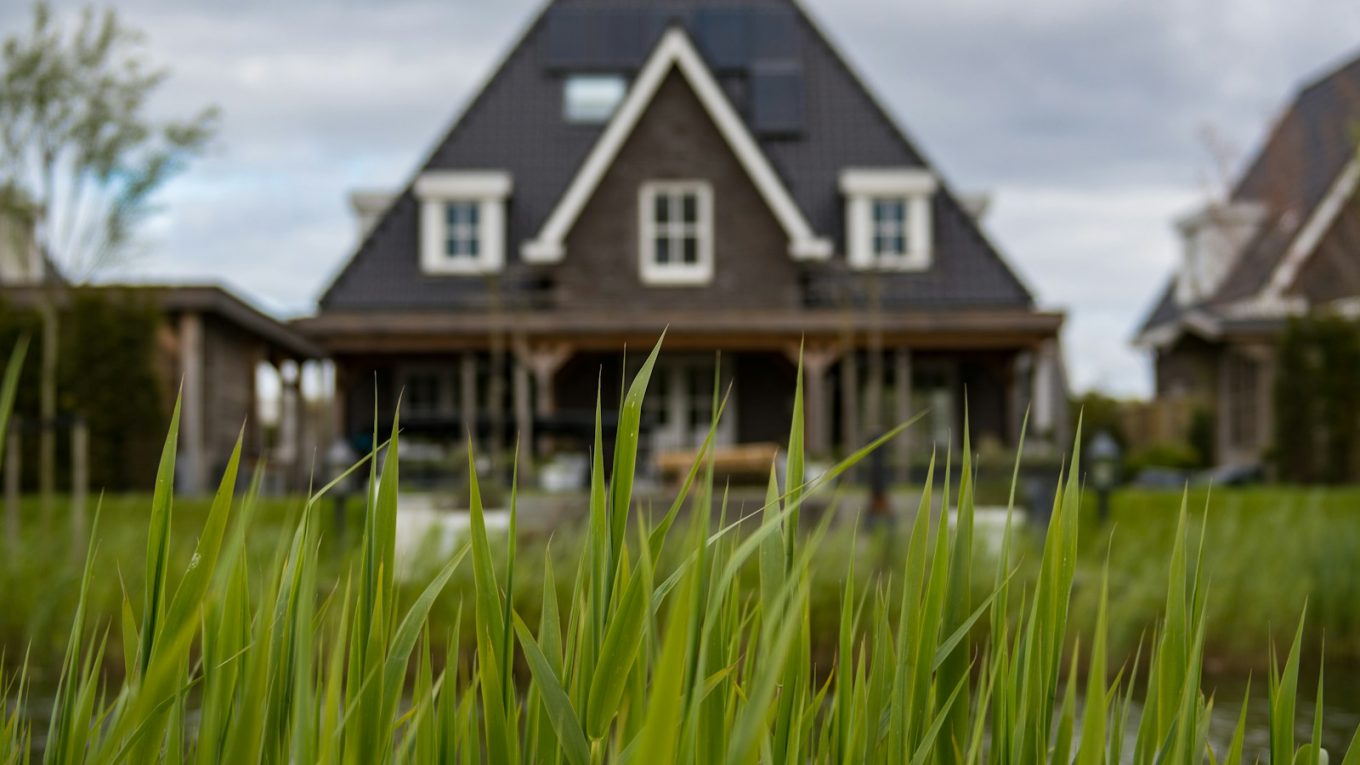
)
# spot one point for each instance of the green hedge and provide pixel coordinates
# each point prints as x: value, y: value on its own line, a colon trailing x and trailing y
x: 1317, y: 402
x: 107, y: 375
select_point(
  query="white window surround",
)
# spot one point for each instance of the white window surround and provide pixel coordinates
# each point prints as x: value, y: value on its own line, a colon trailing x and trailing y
x: 675, y: 51
x: 862, y: 187
x: 436, y: 190
x: 1212, y: 238
x: 675, y: 231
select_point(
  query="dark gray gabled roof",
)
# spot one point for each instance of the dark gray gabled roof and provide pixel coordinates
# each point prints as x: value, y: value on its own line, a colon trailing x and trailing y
x: 1306, y: 151
x: 515, y: 124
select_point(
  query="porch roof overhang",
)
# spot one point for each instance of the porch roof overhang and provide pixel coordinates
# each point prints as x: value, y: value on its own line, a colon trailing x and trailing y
x: 173, y: 299
x: 432, y: 332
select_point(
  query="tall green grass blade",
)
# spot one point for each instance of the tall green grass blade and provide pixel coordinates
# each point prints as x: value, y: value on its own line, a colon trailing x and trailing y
x: 561, y: 714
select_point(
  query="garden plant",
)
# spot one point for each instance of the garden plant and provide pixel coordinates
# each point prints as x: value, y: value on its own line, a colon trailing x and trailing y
x: 227, y: 661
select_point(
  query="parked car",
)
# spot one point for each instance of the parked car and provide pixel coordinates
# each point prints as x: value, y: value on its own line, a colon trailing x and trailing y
x: 1233, y: 475
x: 1161, y: 478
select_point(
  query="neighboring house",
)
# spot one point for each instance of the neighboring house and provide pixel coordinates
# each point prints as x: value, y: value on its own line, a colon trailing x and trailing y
x: 210, y: 345
x: 1286, y: 241
x: 712, y: 169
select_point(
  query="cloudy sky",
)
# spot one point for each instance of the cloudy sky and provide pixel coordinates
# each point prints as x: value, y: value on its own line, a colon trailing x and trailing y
x: 1092, y: 122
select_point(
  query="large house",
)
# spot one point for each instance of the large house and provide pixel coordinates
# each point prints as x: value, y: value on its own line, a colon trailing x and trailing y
x: 710, y: 168
x: 1286, y: 241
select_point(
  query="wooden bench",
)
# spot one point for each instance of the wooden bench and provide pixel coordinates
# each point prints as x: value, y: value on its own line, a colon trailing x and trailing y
x: 739, y: 462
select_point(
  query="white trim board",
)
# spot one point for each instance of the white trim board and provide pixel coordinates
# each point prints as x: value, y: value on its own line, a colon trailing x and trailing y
x: 675, y: 51
x: 488, y: 190
x: 915, y: 187
x: 1193, y: 321
x: 1312, y: 232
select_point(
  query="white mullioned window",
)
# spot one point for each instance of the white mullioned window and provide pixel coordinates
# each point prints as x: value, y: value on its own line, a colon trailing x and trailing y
x: 890, y: 227
x: 462, y: 221
x: 461, y: 230
x: 888, y: 216
x: 676, y: 225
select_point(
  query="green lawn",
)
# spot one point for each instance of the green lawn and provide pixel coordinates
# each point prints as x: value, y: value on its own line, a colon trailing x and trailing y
x: 1267, y: 552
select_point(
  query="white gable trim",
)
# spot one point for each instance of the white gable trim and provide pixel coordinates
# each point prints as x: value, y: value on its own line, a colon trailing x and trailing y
x: 674, y: 50
x: 1312, y: 232
x: 1193, y: 322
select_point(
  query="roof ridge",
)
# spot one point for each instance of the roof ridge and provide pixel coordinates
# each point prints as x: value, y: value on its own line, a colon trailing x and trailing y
x: 1327, y: 74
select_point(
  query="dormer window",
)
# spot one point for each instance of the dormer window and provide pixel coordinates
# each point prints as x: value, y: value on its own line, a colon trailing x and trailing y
x: 462, y: 221
x: 1213, y: 237
x: 676, y: 225
x: 888, y: 218
x: 590, y: 99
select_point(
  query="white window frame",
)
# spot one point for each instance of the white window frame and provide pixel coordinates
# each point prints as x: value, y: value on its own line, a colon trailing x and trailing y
x: 915, y: 189
x: 675, y: 273
x: 436, y: 191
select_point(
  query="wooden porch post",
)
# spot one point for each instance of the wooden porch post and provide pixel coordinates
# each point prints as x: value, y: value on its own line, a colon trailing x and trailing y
x: 902, y: 400
x: 1265, y: 404
x: 543, y: 363
x: 1224, y: 408
x: 290, y: 431
x: 468, y: 389
x: 817, y: 361
x: 191, y: 403
x: 1019, y: 399
x: 339, y: 401
x: 524, y: 417
x: 850, y: 431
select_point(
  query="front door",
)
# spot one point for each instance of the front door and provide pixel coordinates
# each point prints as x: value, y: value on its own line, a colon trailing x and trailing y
x: 683, y: 387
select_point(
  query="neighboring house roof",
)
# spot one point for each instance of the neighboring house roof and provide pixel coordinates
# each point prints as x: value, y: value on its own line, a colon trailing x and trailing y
x: 210, y: 299
x: 1303, y: 176
x: 515, y: 124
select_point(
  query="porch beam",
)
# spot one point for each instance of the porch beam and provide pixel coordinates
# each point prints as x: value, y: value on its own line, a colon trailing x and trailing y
x: 543, y: 361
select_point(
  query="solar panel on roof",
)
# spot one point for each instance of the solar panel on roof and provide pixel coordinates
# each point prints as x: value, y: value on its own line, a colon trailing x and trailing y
x: 594, y: 38
x: 730, y: 36
x: 777, y: 98
x: 724, y: 35
x: 774, y: 34
x: 757, y: 44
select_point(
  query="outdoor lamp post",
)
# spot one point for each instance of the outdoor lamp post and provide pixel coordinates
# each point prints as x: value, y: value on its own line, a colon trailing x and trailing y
x: 1105, y: 457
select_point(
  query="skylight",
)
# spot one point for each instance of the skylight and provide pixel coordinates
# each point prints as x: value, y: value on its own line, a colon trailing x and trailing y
x: 592, y: 98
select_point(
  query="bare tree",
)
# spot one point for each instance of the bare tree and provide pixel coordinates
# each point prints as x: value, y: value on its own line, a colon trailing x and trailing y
x: 81, y: 159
